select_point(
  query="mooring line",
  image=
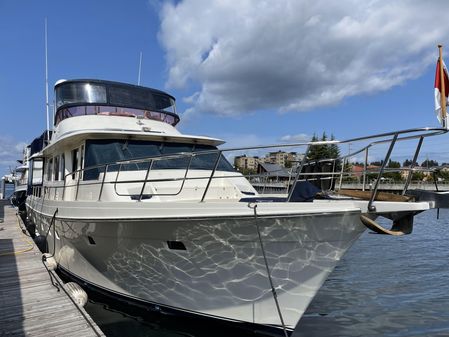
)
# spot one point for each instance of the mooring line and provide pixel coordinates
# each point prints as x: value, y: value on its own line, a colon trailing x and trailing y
x: 273, y: 289
x: 16, y: 252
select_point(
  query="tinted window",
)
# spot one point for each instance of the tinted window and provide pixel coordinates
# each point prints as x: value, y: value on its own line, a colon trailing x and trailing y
x: 99, y: 152
x: 80, y: 92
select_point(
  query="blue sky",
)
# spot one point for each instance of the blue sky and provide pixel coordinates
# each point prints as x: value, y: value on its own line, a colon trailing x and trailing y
x: 252, y: 72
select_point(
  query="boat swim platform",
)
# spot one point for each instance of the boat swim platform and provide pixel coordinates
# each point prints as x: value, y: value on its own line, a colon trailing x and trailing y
x: 29, y: 304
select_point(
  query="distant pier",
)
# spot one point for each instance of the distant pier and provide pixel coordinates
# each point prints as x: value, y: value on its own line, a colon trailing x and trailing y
x: 392, y: 187
x: 281, y: 187
x: 29, y: 304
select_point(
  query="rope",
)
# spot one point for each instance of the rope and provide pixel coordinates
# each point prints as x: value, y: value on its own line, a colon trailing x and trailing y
x: 52, y: 223
x: 273, y: 289
x: 59, y: 285
x: 44, y: 257
x: 30, y: 243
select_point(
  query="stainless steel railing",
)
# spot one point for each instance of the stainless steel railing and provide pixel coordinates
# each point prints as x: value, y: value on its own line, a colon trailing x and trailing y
x: 339, y: 166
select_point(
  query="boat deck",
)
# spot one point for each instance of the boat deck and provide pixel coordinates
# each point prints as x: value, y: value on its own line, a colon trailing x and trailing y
x: 29, y: 304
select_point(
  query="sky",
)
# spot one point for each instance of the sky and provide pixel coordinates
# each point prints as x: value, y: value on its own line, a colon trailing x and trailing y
x: 251, y: 72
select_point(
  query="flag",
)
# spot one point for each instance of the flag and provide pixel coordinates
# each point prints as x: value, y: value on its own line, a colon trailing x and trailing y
x: 438, y: 88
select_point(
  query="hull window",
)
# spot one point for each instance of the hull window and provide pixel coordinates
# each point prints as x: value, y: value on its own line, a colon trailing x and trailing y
x: 176, y: 245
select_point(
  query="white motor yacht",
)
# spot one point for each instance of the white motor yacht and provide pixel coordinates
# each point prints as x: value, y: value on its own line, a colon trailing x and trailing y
x: 131, y: 206
x: 21, y: 182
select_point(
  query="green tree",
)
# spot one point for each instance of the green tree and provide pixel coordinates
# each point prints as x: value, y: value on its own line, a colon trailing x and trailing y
x: 407, y: 162
x: 377, y: 163
x: 395, y: 176
x: 429, y: 163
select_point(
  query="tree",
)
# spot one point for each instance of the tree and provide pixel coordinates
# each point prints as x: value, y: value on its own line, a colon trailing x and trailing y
x: 377, y: 163
x: 418, y: 176
x: 334, y: 150
x: 396, y: 176
x: 429, y: 163
x: 316, y: 152
x: 323, y: 151
x: 407, y: 162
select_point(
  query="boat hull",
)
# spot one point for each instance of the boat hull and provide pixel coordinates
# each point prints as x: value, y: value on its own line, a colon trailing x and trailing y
x: 207, y: 265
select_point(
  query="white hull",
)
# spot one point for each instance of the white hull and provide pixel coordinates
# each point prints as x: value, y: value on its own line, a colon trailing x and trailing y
x: 222, y: 270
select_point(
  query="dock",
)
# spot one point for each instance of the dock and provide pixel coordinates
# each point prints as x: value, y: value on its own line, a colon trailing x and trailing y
x: 29, y: 304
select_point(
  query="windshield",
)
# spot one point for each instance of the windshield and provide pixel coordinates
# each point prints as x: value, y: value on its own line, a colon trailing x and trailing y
x: 89, y: 97
x: 99, y: 152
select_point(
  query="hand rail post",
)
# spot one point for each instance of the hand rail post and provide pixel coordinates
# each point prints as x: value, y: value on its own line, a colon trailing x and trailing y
x: 415, y: 158
x: 371, y: 207
x: 150, y: 165
x: 63, y: 188
x: 341, y: 173
x: 77, y: 184
x: 102, y: 181
x: 211, y: 175
x: 116, y: 178
x: 298, y: 172
x: 365, y: 167
x: 187, y: 171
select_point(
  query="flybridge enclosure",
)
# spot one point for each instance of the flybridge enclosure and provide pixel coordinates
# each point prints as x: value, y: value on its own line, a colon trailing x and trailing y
x: 40, y: 142
x: 98, y: 97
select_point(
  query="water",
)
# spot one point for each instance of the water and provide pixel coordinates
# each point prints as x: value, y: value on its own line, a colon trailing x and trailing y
x: 389, y: 286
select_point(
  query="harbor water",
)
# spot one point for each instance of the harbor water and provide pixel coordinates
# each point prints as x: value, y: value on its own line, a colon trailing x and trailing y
x: 384, y: 286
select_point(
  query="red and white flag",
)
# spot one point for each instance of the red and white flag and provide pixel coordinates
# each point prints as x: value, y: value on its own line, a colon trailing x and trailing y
x: 438, y: 89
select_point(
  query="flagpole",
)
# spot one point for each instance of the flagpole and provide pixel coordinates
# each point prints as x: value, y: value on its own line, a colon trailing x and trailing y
x: 443, y: 89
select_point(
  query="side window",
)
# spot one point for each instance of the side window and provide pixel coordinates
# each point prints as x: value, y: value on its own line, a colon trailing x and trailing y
x: 62, y: 166
x: 81, y: 164
x: 49, y: 169
x: 74, y: 162
x: 56, y: 167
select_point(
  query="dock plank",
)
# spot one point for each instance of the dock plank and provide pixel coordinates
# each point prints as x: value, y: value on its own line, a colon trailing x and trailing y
x: 29, y: 304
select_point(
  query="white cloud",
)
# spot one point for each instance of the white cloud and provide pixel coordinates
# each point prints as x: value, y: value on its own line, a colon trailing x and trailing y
x: 294, y: 55
x: 298, y: 138
x: 10, y: 152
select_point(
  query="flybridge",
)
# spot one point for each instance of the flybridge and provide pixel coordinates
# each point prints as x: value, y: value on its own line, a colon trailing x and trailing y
x: 98, y: 97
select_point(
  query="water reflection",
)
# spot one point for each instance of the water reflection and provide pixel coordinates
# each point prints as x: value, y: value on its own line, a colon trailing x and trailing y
x: 222, y: 271
x: 384, y: 286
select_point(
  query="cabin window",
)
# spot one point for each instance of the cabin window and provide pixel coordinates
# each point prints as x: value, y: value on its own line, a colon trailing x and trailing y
x: 56, y: 167
x: 49, y: 169
x: 62, y: 167
x: 81, y: 162
x: 35, y: 174
x: 74, y: 162
x: 80, y: 92
x: 101, y: 152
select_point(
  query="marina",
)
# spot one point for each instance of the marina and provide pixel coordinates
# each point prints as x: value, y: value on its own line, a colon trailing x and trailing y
x: 29, y: 304
x: 129, y: 207
x: 259, y: 172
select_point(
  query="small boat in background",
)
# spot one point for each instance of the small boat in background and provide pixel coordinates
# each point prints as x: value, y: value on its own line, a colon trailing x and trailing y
x: 21, y: 182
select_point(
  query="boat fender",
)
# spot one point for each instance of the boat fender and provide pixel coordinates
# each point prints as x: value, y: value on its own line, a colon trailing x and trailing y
x: 50, y: 261
x: 77, y: 293
x: 41, y: 243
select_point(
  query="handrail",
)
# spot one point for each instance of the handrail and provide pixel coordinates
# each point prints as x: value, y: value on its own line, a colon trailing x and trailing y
x: 390, y: 138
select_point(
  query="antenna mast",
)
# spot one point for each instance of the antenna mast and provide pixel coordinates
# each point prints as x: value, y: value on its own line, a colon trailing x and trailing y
x: 140, y: 68
x: 46, y: 83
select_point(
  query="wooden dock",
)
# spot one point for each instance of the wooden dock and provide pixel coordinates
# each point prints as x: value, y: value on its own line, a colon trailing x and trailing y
x: 29, y: 304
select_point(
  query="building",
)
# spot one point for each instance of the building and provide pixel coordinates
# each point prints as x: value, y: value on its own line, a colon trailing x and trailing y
x: 282, y: 158
x: 245, y: 163
x: 273, y: 172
